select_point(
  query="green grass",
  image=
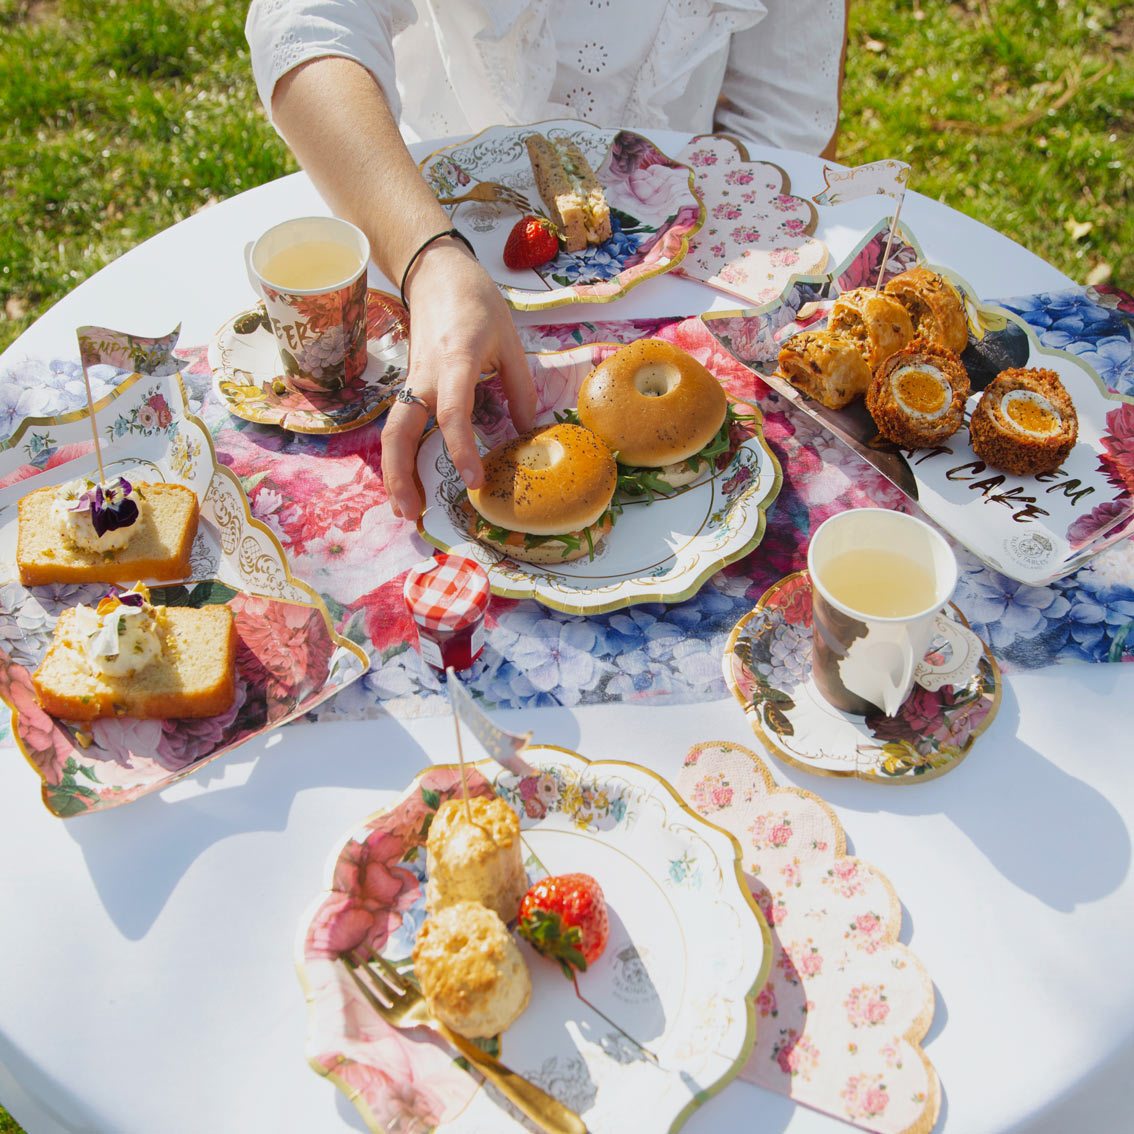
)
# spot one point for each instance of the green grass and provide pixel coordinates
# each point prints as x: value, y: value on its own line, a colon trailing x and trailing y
x: 124, y: 116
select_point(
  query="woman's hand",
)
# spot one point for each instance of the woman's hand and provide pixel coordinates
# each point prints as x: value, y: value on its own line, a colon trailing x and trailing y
x: 460, y: 328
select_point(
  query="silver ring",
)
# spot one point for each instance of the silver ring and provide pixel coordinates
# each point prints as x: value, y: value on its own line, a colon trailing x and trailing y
x: 408, y: 398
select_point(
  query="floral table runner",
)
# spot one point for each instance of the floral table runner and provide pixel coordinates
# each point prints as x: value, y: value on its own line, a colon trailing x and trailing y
x: 324, y: 498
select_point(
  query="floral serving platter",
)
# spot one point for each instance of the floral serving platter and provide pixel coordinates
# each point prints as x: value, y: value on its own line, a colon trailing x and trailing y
x: 687, y: 951
x: 249, y: 376
x: 653, y: 203
x: 290, y: 657
x: 1032, y: 529
x: 767, y: 665
x: 657, y: 552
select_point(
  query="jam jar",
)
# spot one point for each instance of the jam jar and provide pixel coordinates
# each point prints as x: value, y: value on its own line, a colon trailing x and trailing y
x: 447, y: 597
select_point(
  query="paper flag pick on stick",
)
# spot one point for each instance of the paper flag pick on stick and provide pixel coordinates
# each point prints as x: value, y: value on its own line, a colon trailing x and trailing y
x: 504, y: 747
x: 887, y: 178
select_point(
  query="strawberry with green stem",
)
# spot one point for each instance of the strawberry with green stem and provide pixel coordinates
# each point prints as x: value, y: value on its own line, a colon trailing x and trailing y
x: 532, y: 242
x: 564, y: 917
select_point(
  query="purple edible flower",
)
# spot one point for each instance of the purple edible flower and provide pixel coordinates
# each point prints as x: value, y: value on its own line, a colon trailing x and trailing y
x: 110, y: 508
x: 131, y: 598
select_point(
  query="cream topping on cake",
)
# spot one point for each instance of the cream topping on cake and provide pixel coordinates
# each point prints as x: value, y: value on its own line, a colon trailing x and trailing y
x: 98, y: 516
x: 119, y: 637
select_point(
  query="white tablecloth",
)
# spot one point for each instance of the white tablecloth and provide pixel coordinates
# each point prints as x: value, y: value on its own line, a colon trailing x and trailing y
x: 146, y: 952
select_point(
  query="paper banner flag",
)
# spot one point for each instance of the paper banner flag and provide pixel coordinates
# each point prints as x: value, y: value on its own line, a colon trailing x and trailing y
x: 886, y: 178
x: 504, y: 747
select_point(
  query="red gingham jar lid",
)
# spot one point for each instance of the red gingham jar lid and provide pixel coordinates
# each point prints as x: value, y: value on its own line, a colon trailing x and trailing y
x: 447, y: 592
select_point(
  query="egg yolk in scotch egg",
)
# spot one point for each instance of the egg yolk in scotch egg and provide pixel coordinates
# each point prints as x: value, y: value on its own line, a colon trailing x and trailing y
x: 1031, y: 413
x: 922, y: 392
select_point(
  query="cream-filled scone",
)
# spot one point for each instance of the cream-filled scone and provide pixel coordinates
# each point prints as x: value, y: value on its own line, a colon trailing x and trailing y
x: 476, y: 857
x: 471, y: 972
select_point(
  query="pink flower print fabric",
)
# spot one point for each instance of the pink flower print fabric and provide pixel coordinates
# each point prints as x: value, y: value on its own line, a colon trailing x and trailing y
x: 846, y: 1006
x: 756, y: 233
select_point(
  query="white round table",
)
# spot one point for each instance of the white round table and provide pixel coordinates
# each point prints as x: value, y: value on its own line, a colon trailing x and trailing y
x: 146, y: 951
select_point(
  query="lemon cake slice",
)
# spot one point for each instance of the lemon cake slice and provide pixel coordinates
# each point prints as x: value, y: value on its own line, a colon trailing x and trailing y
x: 128, y: 658
x: 53, y: 547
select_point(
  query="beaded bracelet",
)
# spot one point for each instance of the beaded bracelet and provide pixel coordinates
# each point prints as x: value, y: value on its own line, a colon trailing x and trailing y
x: 413, y: 259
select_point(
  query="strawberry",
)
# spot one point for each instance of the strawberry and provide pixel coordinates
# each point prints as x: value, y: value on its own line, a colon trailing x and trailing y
x: 532, y: 241
x: 564, y: 917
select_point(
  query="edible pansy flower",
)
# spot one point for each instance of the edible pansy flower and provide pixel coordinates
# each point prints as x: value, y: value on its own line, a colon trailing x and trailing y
x: 109, y: 505
x: 103, y: 627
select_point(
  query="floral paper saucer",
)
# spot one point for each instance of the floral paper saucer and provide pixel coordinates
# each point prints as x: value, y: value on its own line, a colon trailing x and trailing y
x: 654, y: 210
x: 289, y: 660
x: 688, y: 950
x: 249, y: 375
x: 657, y: 552
x: 767, y: 665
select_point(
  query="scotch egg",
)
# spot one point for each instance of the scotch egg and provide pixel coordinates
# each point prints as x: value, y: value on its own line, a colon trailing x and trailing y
x: 917, y: 396
x: 1025, y: 422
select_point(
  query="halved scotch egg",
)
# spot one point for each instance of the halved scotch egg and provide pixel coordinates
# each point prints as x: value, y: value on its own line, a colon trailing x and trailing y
x: 1025, y: 422
x: 917, y: 396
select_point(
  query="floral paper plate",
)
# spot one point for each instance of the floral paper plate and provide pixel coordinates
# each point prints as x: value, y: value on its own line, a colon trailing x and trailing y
x: 687, y: 951
x: 658, y: 552
x: 290, y: 657
x: 767, y: 664
x: 249, y: 376
x: 1032, y: 529
x: 653, y: 205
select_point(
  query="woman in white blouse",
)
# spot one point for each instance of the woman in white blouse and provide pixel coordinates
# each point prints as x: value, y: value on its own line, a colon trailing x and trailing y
x: 345, y: 80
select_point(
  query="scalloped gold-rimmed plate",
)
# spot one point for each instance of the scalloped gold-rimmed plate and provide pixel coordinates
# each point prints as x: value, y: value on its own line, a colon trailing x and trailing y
x: 688, y: 949
x: 654, y: 205
x: 249, y: 375
x: 148, y: 434
x: 659, y: 552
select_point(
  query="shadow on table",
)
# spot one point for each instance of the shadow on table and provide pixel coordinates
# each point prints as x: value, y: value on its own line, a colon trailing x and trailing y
x: 1050, y: 833
x: 137, y: 854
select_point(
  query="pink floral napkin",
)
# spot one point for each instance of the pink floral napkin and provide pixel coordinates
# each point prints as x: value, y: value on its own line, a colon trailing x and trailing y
x: 841, y: 1019
x: 756, y: 234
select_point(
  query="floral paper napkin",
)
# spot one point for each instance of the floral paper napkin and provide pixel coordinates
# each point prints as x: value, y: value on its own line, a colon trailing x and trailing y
x: 756, y: 234
x: 841, y: 1019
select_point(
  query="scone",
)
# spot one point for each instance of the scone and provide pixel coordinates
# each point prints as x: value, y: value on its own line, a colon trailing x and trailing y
x: 1025, y: 422
x: 57, y: 544
x: 827, y: 367
x: 481, y: 861
x: 128, y: 658
x: 877, y: 323
x: 471, y: 972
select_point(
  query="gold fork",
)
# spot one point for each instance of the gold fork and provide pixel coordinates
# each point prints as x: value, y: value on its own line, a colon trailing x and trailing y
x: 402, y: 1006
x: 493, y: 193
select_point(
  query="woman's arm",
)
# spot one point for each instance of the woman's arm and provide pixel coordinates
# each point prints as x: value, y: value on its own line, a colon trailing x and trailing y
x: 334, y: 116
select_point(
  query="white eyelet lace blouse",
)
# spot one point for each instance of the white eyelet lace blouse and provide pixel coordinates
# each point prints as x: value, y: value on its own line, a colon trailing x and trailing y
x: 764, y: 71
